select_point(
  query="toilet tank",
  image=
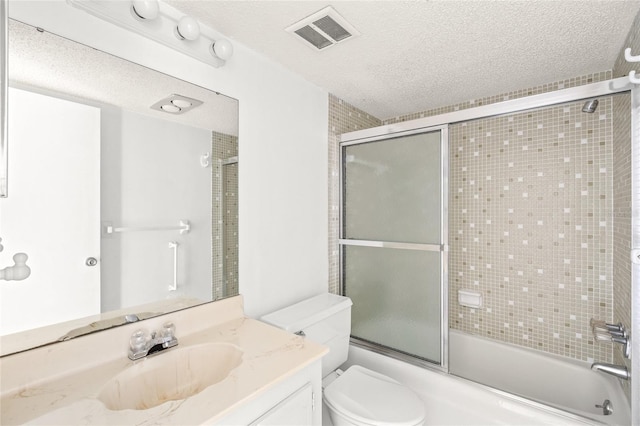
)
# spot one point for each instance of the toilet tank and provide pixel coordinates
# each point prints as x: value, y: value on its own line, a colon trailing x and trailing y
x: 324, y: 319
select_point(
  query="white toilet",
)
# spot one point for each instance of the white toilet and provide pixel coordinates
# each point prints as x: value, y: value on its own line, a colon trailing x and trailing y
x: 358, y: 396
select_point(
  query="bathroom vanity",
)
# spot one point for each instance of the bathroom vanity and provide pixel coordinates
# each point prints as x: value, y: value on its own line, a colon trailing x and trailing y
x: 230, y: 370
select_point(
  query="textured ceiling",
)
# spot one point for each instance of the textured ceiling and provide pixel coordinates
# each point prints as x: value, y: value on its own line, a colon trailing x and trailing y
x: 46, y: 61
x: 417, y: 55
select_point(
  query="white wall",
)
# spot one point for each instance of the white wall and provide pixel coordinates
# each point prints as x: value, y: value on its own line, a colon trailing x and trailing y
x: 52, y: 217
x: 152, y: 177
x: 283, y: 152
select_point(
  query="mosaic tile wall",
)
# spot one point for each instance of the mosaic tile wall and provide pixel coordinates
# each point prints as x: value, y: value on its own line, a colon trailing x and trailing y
x: 531, y: 227
x: 224, y: 215
x: 343, y: 118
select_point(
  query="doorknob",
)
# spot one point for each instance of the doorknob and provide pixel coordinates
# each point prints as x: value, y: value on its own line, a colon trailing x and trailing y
x: 91, y: 261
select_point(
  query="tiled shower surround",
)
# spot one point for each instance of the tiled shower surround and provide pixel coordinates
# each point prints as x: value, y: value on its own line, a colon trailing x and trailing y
x: 530, y: 227
x: 224, y: 198
x: 533, y: 227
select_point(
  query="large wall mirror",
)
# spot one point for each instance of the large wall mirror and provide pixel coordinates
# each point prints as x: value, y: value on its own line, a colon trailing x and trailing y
x: 122, y: 192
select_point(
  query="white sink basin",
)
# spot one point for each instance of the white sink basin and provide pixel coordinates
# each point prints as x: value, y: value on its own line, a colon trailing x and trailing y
x: 173, y: 375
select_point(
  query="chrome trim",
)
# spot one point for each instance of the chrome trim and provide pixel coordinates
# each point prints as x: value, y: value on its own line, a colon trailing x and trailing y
x: 619, y: 371
x: 602, y: 88
x: 396, y: 354
x: 391, y: 244
x: 4, y: 98
x: 340, y: 215
x: 444, y: 256
x: 401, y: 134
x: 635, y: 244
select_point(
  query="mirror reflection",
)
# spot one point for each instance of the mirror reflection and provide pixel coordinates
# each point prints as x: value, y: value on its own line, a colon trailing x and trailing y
x: 123, y: 192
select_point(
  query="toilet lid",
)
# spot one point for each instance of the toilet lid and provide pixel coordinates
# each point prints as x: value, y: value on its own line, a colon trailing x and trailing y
x: 374, y: 399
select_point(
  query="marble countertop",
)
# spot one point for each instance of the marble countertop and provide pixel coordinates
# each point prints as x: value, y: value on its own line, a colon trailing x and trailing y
x: 70, y: 396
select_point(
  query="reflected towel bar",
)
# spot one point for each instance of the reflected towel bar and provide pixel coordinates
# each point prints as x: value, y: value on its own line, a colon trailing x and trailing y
x: 183, y: 226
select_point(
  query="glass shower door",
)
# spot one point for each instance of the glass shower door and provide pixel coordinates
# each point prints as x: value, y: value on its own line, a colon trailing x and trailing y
x: 393, y: 239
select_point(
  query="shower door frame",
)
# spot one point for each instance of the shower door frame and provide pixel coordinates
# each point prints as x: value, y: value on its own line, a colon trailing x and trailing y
x: 442, y: 247
x: 635, y: 255
x: 602, y: 88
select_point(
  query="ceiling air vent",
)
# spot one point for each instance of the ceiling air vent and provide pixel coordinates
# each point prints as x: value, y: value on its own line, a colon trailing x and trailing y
x: 323, y: 29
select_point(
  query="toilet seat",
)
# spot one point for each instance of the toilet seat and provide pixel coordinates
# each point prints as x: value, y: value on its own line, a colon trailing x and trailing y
x: 370, y: 398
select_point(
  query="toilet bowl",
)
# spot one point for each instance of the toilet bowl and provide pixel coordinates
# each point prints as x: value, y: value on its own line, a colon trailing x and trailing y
x: 362, y: 397
x: 358, y: 396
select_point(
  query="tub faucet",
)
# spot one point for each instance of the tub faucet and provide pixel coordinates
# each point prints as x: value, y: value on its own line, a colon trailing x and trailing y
x: 620, y: 371
x: 140, y: 345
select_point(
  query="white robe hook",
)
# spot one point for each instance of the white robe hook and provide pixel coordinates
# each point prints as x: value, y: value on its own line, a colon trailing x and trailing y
x: 632, y: 78
x: 629, y: 57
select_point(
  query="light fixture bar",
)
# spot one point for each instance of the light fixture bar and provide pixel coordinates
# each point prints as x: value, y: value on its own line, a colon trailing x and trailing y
x: 161, y: 29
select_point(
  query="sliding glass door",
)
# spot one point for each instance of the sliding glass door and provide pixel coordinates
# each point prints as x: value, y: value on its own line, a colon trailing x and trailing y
x: 393, y: 241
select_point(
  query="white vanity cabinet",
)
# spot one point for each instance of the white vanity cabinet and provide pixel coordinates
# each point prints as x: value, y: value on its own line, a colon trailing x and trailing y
x: 295, y: 401
x: 296, y: 409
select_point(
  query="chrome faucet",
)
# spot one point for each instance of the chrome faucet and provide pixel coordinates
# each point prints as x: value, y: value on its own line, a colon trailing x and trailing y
x: 142, y: 345
x: 620, y: 371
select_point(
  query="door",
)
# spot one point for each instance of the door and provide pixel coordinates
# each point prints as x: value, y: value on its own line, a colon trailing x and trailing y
x: 393, y: 240
x: 61, y: 228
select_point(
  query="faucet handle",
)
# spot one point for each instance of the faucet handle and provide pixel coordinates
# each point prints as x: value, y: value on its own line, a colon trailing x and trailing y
x: 168, y: 330
x: 138, y: 340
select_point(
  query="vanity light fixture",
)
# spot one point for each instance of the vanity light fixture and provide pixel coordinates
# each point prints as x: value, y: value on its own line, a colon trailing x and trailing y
x: 160, y: 22
x: 176, y: 104
x: 222, y: 48
x: 188, y: 28
x: 145, y: 9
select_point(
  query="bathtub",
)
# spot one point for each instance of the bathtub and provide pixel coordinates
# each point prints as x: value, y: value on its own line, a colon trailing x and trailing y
x: 561, y: 382
x: 451, y: 400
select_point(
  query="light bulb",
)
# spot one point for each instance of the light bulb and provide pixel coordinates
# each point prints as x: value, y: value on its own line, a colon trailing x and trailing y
x: 222, y: 48
x: 146, y: 9
x: 170, y: 108
x: 181, y: 103
x: 188, y: 28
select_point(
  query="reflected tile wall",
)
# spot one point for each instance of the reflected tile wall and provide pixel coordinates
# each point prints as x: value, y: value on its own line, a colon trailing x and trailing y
x: 224, y: 215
